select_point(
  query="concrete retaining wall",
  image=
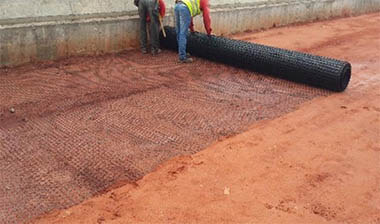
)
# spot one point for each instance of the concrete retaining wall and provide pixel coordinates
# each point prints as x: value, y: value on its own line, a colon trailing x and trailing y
x: 36, y: 30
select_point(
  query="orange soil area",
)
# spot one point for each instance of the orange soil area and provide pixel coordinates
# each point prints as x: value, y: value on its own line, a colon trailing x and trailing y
x: 318, y: 164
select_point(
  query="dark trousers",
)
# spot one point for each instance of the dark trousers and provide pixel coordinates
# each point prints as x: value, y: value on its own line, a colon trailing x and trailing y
x: 149, y: 7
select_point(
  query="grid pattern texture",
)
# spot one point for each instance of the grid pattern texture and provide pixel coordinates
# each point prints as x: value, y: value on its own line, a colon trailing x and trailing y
x: 83, y: 124
x: 295, y: 66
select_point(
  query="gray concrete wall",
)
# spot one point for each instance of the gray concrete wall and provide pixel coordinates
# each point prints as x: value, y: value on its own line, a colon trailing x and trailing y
x: 36, y: 30
x: 27, y: 11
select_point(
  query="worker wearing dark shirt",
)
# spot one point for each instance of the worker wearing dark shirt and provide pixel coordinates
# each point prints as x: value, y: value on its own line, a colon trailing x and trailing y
x: 185, y: 10
x: 149, y: 11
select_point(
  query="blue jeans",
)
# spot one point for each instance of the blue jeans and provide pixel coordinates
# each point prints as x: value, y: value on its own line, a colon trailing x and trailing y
x: 182, y: 23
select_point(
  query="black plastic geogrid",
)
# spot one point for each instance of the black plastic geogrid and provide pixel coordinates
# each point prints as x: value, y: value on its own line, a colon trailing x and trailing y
x: 295, y: 66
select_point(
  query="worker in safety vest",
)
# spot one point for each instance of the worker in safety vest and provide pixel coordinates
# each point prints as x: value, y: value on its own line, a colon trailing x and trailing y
x: 185, y: 10
x: 149, y: 11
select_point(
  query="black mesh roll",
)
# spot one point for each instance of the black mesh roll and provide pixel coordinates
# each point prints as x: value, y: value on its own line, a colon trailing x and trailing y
x: 295, y: 66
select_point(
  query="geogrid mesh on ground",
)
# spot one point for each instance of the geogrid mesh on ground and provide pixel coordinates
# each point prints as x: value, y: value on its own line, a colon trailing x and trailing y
x: 84, y: 124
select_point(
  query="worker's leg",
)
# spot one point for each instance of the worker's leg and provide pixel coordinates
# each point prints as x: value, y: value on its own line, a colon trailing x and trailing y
x: 143, y: 34
x: 183, y: 19
x: 177, y: 22
x: 154, y: 25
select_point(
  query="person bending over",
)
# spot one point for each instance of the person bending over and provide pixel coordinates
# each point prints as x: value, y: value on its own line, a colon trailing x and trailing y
x: 184, y: 11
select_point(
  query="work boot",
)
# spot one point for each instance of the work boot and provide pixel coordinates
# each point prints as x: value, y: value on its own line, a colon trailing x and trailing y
x: 187, y: 60
x: 156, y: 51
x: 144, y: 50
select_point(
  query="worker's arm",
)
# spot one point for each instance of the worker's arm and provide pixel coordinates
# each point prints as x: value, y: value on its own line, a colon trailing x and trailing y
x: 206, y: 15
x: 192, y: 25
x: 162, y: 8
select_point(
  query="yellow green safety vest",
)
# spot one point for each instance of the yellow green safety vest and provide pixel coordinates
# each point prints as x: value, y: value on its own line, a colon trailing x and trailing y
x: 194, y: 6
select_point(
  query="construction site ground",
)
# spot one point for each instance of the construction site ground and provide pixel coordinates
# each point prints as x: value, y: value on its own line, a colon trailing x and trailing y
x: 156, y: 141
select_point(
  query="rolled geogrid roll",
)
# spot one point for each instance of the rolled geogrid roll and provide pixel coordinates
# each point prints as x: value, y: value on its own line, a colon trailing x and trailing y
x: 295, y: 66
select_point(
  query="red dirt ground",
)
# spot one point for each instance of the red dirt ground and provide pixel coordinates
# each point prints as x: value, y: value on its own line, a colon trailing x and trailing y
x: 84, y: 124
x: 318, y: 164
x: 81, y: 125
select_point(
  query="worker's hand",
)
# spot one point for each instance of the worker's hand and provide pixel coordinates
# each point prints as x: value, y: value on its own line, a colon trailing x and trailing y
x: 209, y: 31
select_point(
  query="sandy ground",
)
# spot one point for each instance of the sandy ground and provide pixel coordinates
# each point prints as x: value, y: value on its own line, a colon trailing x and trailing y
x: 318, y: 164
x: 81, y: 125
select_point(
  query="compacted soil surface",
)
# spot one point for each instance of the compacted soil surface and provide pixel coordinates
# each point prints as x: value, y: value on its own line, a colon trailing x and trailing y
x: 72, y: 129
